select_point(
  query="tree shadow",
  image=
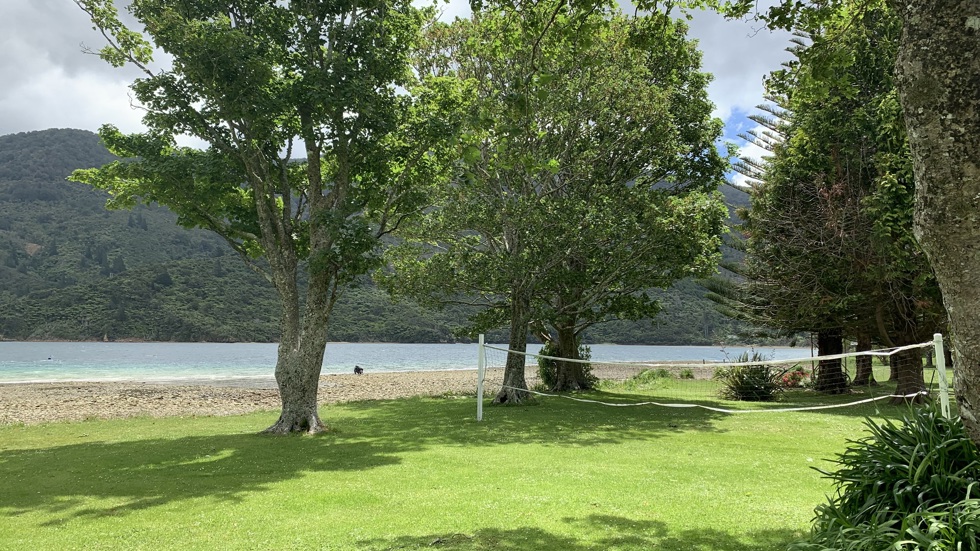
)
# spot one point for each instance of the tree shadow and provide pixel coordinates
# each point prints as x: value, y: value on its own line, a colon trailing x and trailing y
x: 622, y: 534
x: 138, y: 474
x: 141, y: 474
x: 552, y: 421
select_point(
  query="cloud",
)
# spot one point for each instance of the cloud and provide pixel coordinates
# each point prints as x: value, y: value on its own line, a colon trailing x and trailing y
x: 49, y: 82
x: 739, y: 54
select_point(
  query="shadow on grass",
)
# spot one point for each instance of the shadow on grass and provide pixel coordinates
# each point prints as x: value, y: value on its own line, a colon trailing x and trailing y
x: 622, y: 534
x: 552, y: 421
x: 141, y: 473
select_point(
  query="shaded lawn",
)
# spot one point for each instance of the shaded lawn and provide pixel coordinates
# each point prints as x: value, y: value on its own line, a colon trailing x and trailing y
x: 423, y: 474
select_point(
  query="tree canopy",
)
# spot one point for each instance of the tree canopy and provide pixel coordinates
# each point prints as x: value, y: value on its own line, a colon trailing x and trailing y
x: 937, y: 73
x: 256, y: 81
x: 587, y: 177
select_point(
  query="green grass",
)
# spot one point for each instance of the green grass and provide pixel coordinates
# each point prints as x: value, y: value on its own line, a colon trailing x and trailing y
x: 423, y: 474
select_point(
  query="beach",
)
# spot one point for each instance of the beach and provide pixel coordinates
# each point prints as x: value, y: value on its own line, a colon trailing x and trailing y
x: 33, y: 403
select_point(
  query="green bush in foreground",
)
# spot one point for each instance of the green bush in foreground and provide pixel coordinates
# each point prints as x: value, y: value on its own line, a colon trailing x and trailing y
x: 908, y: 487
x: 750, y: 383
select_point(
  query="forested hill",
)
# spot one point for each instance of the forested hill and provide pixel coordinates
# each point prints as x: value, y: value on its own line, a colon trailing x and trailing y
x: 70, y: 269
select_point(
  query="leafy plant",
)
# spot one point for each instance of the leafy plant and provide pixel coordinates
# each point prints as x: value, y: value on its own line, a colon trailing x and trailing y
x: 797, y: 377
x: 913, y: 486
x: 686, y: 374
x: 750, y: 383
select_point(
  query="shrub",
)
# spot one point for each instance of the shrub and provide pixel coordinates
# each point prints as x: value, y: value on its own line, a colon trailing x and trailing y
x: 686, y: 374
x: 913, y: 486
x: 648, y: 378
x: 796, y: 377
x: 750, y: 383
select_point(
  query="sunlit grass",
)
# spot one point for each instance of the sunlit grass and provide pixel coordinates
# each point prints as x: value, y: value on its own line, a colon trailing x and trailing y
x: 423, y: 474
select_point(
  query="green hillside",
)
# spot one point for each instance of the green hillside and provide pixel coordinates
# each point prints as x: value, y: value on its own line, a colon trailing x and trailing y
x: 72, y: 270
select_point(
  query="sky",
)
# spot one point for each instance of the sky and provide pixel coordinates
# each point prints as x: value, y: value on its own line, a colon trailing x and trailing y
x: 47, y: 81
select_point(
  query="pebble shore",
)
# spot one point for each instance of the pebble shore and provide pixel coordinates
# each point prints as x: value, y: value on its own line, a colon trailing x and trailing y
x: 35, y: 403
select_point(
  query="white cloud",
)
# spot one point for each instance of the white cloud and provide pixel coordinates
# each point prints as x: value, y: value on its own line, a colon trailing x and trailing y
x: 54, y: 99
x: 49, y: 82
x: 739, y: 54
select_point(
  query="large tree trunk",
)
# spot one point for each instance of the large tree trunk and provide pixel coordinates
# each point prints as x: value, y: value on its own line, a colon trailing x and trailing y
x: 514, y: 389
x: 301, y: 349
x: 303, y: 340
x: 298, y: 378
x: 938, y: 79
x: 864, y: 373
x: 570, y: 375
x: 831, y: 378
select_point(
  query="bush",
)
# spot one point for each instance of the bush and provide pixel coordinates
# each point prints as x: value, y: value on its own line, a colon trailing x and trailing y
x: 796, y: 377
x: 750, y: 383
x: 647, y: 379
x: 913, y: 486
x: 548, y: 369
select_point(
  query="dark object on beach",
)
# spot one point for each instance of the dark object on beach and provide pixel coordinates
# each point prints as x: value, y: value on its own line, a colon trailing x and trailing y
x: 358, y: 370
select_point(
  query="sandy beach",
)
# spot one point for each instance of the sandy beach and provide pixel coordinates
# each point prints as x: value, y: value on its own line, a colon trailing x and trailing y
x: 73, y: 401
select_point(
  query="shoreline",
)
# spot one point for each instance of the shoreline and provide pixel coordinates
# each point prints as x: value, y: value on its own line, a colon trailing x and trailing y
x: 36, y: 403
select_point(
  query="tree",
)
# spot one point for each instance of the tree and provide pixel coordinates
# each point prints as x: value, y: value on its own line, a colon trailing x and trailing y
x: 257, y: 80
x: 632, y: 197
x: 831, y: 228
x: 588, y: 178
x: 937, y: 75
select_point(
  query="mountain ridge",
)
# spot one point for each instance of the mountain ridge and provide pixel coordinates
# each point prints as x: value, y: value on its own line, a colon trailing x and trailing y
x: 72, y: 270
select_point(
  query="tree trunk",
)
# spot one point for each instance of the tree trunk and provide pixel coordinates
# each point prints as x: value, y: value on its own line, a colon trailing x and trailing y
x: 864, y: 373
x: 298, y: 378
x: 300, y: 357
x: 938, y: 78
x: 514, y: 389
x: 571, y: 375
x: 831, y: 378
x: 908, y: 363
x: 303, y: 339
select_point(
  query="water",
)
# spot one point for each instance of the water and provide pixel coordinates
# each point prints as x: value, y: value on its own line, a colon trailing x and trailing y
x: 252, y: 364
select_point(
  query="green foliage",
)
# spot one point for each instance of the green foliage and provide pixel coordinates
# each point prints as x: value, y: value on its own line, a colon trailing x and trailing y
x: 830, y: 244
x: 63, y: 290
x: 548, y: 368
x: 903, y: 487
x: 589, y: 170
x: 750, y: 383
x: 646, y: 380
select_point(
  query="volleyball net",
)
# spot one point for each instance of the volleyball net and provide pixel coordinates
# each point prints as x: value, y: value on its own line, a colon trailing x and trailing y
x: 750, y: 383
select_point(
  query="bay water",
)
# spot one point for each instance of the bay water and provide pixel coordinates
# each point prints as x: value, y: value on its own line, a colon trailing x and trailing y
x: 252, y: 364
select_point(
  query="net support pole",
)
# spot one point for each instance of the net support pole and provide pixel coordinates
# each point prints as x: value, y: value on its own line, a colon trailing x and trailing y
x: 481, y: 368
x: 937, y: 340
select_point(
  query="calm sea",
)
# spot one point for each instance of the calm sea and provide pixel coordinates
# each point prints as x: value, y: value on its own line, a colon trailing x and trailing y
x: 252, y: 364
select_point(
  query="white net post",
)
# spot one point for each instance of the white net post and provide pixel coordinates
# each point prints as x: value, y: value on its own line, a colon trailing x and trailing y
x: 481, y: 368
x: 937, y: 339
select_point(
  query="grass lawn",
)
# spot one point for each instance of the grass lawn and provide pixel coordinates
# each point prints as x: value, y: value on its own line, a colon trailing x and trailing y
x: 423, y: 474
